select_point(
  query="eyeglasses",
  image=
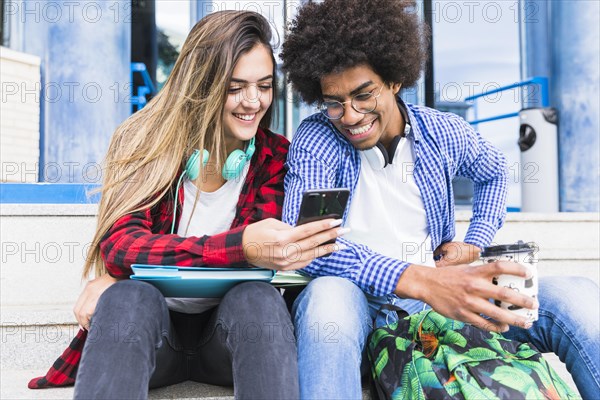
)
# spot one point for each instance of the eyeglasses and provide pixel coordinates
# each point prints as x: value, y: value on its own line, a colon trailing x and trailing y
x: 363, y: 103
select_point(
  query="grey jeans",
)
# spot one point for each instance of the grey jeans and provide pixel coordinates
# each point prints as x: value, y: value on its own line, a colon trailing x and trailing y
x: 135, y: 343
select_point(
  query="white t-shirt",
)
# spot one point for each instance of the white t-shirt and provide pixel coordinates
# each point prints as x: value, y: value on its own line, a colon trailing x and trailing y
x: 213, y: 214
x: 387, y: 212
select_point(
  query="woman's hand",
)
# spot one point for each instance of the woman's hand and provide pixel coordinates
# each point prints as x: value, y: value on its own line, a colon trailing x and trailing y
x: 455, y: 253
x: 276, y: 245
x: 86, y: 303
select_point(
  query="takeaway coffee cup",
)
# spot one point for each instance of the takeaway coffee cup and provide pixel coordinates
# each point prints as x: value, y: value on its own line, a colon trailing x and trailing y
x: 524, y: 254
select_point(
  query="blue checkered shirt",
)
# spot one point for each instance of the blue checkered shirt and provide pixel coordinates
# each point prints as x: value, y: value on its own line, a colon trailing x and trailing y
x: 445, y: 146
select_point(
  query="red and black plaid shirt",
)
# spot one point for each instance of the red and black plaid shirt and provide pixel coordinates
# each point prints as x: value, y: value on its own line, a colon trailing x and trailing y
x: 143, y: 237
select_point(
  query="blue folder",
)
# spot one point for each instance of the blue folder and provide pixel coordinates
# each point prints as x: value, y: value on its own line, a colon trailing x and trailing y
x: 173, y: 281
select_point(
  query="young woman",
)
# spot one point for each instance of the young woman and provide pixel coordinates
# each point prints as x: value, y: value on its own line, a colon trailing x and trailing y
x: 217, y: 210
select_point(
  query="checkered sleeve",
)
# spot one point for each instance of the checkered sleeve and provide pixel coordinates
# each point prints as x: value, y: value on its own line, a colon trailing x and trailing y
x: 64, y: 369
x: 268, y: 184
x: 312, y: 162
x: 131, y: 241
x: 140, y: 238
x: 486, y: 166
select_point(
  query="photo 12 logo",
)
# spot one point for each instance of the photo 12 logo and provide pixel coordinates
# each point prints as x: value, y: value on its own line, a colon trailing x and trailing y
x: 484, y: 11
x: 53, y: 172
x: 55, y: 12
x: 69, y: 92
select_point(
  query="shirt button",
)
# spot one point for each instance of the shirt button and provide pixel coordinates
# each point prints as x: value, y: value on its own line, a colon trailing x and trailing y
x: 372, y: 288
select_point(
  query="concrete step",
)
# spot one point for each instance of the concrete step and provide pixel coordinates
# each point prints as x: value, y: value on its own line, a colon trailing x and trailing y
x: 33, y: 336
x: 48, y: 243
x: 559, y: 236
x: 14, y: 386
x: 43, y: 248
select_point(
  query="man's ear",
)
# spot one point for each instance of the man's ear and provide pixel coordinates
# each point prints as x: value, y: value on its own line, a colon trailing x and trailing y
x: 395, y: 87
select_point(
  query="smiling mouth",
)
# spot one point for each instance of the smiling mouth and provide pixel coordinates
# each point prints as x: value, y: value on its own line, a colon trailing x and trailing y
x: 361, y: 130
x: 245, y: 117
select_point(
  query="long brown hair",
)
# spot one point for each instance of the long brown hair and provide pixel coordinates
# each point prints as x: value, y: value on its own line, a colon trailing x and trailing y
x: 148, y: 150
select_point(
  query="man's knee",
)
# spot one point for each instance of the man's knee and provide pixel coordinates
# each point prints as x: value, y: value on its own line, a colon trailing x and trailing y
x: 573, y: 300
x: 332, y: 302
x: 574, y: 290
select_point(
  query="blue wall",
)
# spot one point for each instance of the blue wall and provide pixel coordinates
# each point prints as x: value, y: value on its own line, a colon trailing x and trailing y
x: 576, y: 70
x: 85, y: 52
x: 560, y: 39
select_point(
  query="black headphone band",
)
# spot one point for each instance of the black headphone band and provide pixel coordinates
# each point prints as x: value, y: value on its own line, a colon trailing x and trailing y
x: 384, y: 153
x: 387, y: 157
x: 393, y: 148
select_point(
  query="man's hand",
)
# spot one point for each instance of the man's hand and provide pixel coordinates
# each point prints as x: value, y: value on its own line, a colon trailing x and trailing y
x: 86, y: 303
x: 455, y: 253
x: 462, y: 292
x: 276, y: 245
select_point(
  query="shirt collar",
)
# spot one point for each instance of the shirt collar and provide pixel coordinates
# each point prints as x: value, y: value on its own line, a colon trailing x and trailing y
x: 408, y: 116
x: 262, y: 145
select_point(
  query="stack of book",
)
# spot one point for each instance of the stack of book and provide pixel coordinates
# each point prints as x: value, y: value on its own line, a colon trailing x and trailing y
x: 173, y: 281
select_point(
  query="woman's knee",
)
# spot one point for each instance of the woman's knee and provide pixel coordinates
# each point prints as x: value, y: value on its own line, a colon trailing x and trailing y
x: 255, y: 300
x: 253, y: 293
x: 255, y: 310
x: 129, y: 312
x: 132, y: 299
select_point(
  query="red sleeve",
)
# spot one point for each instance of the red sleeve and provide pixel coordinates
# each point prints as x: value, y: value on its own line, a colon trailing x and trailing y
x: 64, y: 369
x: 131, y: 241
x: 268, y: 202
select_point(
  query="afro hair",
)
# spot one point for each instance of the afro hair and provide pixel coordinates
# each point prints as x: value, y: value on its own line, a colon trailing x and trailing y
x: 334, y: 35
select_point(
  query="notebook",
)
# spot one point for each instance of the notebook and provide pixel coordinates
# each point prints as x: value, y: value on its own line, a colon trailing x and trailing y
x: 200, y: 282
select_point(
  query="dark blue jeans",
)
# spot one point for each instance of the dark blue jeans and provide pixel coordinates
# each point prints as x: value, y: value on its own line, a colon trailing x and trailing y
x: 135, y: 343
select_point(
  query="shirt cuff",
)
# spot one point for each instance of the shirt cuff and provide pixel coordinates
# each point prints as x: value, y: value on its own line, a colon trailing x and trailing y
x: 382, y: 279
x: 480, y: 233
x: 225, y: 249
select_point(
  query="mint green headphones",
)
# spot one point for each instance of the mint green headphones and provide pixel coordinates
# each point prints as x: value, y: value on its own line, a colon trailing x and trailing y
x: 233, y: 167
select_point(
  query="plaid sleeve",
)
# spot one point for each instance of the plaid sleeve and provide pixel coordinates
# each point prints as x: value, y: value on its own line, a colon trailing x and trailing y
x: 312, y: 162
x: 131, y: 241
x: 267, y: 187
x: 64, y: 369
x: 486, y: 166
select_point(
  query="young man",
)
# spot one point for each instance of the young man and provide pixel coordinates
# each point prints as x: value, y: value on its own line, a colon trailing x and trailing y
x: 351, y: 57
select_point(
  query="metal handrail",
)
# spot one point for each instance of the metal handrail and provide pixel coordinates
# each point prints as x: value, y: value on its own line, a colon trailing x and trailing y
x: 503, y: 116
x: 537, y: 80
x: 138, y: 100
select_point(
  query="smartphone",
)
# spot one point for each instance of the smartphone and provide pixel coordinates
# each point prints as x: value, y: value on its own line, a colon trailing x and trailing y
x: 321, y: 204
